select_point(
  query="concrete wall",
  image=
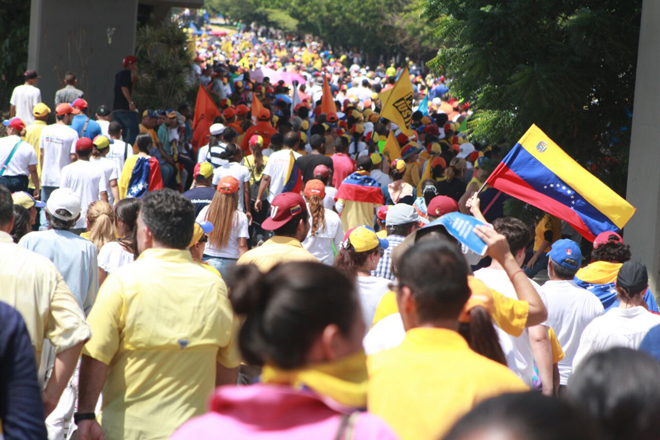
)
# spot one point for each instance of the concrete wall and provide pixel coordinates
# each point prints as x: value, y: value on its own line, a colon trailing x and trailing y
x: 643, y: 232
x: 88, y: 37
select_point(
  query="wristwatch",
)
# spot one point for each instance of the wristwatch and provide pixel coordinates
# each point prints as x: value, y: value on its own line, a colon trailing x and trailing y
x: 77, y: 417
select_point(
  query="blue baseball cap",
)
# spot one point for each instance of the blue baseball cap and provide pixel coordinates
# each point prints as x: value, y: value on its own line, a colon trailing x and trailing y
x: 566, y: 253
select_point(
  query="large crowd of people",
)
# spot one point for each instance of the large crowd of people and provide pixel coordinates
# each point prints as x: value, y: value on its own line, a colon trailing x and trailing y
x: 291, y: 277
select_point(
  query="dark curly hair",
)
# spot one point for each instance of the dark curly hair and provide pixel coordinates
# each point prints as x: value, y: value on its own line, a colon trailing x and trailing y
x: 612, y: 252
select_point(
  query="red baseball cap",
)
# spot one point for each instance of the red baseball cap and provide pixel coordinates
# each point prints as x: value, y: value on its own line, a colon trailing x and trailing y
x: 264, y: 115
x: 130, y: 60
x: 63, y: 109
x: 78, y: 105
x: 441, y: 205
x: 15, y: 123
x: 228, y: 185
x: 242, y: 109
x: 315, y: 187
x: 229, y: 113
x: 84, y: 144
x: 382, y: 212
x: 322, y: 171
x: 284, y: 208
x: 607, y: 237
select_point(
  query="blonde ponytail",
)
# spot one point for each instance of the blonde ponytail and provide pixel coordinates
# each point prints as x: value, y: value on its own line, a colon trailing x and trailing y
x: 101, y: 220
x: 317, y: 211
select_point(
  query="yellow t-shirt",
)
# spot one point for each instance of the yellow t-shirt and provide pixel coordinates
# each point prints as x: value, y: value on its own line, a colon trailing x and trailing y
x: 508, y: 314
x: 547, y: 223
x: 276, y: 250
x: 161, y: 324
x: 33, y: 137
x: 248, y: 161
x: 557, y: 352
x: 357, y: 213
x: 422, y: 387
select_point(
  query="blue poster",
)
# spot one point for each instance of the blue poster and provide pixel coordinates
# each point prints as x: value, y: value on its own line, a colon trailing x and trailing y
x: 461, y: 227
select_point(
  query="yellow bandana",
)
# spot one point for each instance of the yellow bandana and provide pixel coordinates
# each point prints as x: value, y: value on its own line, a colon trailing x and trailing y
x: 344, y: 381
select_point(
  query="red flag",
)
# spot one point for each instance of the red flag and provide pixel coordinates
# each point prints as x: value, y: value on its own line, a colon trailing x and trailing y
x: 257, y: 106
x: 205, y: 112
x: 327, y: 101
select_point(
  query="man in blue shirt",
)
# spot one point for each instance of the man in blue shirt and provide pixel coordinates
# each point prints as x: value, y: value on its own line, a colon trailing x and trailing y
x: 83, y: 124
x: 21, y: 407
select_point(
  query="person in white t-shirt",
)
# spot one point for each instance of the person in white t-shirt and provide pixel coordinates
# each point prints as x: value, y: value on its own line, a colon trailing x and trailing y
x: 119, y: 253
x: 533, y: 346
x: 57, y: 146
x: 231, y: 166
x: 570, y: 308
x: 18, y: 160
x: 228, y: 240
x: 25, y: 97
x: 85, y: 179
x: 110, y: 175
x: 324, y: 225
x: 626, y: 325
x: 277, y: 168
x: 358, y: 255
x: 119, y: 150
x: 104, y: 117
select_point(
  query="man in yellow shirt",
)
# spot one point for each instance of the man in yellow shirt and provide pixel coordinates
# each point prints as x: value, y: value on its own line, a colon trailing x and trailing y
x: 33, y: 286
x: 288, y: 220
x: 163, y: 333
x: 33, y: 133
x: 422, y: 387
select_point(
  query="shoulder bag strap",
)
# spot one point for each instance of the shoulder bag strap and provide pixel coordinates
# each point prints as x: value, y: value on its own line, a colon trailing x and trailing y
x: 10, y: 157
x: 84, y: 127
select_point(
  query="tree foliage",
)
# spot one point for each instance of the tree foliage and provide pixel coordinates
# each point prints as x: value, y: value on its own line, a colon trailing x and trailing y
x: 566, y: 65
x: 164, y: 67
x: 14, y: 35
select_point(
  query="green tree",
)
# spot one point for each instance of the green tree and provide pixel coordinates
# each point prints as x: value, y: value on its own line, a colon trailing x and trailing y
x: 566, y: 65
x: 165, y: 66
x: 14, y: 35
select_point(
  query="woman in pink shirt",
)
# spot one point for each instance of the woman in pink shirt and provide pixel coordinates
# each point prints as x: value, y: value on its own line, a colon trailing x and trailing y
x: 343, y: 165
x: 302, y: 323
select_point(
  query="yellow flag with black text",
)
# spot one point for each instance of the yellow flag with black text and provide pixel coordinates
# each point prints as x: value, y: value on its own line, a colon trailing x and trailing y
x: 397, y: 103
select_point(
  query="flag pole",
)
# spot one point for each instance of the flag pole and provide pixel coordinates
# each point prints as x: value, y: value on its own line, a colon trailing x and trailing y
x: 482, y: 188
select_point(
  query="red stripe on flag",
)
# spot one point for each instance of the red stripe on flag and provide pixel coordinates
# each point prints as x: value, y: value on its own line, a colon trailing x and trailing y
x: 358, y: 193
x: 510, y: 183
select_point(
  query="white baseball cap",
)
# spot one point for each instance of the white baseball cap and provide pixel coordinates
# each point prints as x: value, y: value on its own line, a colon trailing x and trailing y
x: 217, y: 129
x: 465, y: 150
x: 401, y: 214
x: 66, y: 199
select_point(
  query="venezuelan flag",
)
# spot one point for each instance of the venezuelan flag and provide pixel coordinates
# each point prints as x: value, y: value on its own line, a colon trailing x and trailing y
x: 360, y: 187
x: 293, y: 181
x: 139, y: 175
x: 537, y: 171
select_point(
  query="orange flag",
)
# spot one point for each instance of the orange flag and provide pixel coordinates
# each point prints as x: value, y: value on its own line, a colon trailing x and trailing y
x: 257, y: 106
x: 205, y: 112
x: 327, y: 101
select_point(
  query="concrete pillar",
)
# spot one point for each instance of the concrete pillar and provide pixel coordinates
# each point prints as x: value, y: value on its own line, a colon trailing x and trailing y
x: 90, y: 38
x: 643, y: 231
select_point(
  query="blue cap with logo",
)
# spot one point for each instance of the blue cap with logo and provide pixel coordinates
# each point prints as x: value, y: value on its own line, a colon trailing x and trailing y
x: 566, y: 253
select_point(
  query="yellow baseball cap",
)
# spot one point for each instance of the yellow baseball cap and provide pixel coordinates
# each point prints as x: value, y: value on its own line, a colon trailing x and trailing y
x: 363, y: 239
x: 101, y: 142
x: 26, y: 200
x: 203, y: 169
x: 40, y: 110
x: 199, y: 230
